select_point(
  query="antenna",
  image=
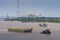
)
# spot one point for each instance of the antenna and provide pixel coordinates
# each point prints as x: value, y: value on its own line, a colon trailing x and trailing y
x: 18, y: 7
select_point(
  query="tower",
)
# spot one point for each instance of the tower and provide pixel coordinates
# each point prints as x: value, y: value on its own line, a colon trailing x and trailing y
x: 18, y: 8
x: 7, y: 16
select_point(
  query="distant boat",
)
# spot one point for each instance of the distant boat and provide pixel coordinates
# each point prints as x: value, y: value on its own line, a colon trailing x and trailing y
x: 19, y: 30
x: 43, y: 25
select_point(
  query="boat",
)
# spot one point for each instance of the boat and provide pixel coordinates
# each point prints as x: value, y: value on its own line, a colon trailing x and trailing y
x: 19, y: 30
x: 43, y: 25
x: 47, y: 31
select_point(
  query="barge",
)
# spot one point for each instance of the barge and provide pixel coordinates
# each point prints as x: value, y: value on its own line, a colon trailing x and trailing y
x: 19, y: 30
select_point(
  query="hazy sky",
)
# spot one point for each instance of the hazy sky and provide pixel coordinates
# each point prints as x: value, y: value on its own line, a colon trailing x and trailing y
x: 49, y: 8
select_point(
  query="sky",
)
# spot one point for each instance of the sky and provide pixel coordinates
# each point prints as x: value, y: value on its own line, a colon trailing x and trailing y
x: 47, y: 8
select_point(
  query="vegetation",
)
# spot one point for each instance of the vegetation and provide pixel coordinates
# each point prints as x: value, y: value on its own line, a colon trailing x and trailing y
x: 57, y: 21
x: 36, y: 19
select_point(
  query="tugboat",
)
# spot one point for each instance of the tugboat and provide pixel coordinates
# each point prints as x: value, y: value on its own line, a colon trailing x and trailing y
x: 20, y: 30
x: 47, y: 31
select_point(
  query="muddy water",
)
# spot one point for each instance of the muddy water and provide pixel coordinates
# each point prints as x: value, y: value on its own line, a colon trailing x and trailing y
x: 35, y: 35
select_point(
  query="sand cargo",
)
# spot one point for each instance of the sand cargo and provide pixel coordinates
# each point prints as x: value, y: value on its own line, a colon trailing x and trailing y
x: 19, y: 30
